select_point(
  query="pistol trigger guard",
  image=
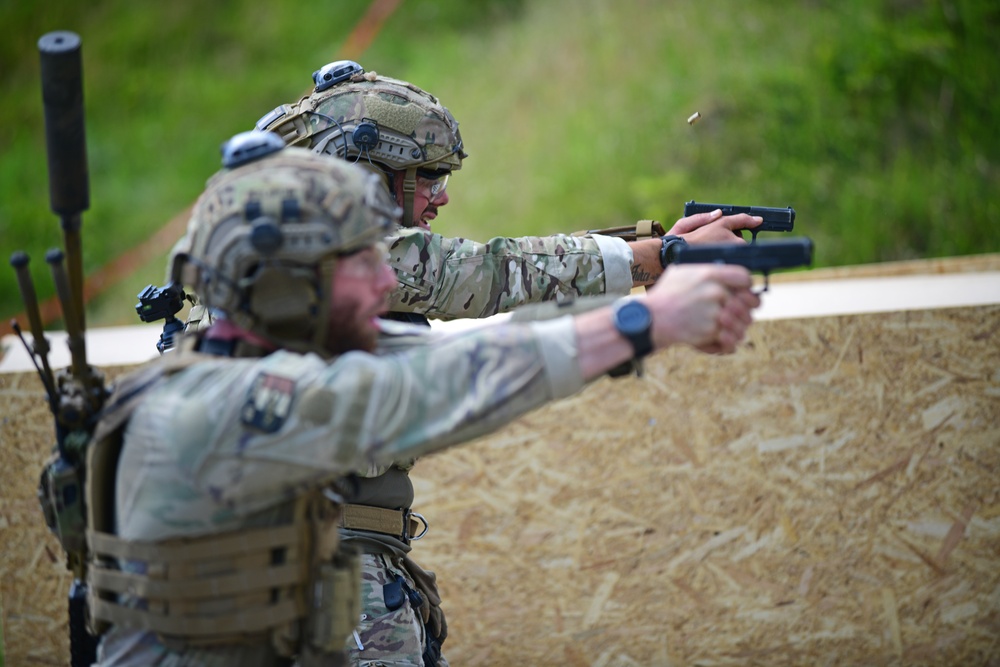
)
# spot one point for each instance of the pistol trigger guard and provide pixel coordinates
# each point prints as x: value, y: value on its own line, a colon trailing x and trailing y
x: 767, y: 280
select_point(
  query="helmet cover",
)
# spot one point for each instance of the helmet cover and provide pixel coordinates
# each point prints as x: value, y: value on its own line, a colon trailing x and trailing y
x: 367, y: 118
x: 263, y: 235
x: 413, y: 128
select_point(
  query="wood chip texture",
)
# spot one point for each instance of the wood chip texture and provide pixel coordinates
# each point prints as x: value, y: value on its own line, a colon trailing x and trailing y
x: 827, y: 495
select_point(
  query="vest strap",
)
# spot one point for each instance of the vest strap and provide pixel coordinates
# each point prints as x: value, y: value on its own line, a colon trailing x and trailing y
x: 401, y: 524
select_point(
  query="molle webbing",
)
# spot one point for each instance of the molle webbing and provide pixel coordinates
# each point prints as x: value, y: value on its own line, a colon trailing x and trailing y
x: 213, y: 589
x: 106, y: 441
x: 287, y: 585
x: 643, y: 229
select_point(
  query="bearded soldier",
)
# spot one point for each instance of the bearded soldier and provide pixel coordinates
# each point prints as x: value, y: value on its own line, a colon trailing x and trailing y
x: 412, y: 142
x: 213, y: 499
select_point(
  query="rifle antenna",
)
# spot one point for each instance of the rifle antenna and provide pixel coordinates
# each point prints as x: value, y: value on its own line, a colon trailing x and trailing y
x: 46, y: 376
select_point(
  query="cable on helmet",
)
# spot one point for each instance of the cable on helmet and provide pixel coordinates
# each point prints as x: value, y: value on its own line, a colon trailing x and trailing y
x: 265, y: 235
x: 393, y: 125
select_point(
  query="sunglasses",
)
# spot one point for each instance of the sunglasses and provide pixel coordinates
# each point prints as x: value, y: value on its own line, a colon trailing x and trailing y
x: 434, y: 181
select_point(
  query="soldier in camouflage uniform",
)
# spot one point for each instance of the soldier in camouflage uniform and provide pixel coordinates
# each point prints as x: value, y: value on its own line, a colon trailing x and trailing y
x: 405, y: 136
x: 413, y: 142
x: 211, y: 529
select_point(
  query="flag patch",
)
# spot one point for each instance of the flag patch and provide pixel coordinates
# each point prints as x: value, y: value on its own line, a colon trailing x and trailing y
x: 268, y: 403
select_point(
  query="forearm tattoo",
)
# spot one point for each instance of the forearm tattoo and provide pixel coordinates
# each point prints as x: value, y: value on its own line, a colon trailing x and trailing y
x: 640, y: 276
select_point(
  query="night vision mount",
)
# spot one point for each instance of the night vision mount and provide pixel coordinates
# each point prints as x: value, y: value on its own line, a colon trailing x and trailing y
x: 162, y: 303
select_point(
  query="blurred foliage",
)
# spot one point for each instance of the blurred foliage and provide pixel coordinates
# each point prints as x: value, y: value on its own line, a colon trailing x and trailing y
x: 917, y: 70
x: 873, y: 118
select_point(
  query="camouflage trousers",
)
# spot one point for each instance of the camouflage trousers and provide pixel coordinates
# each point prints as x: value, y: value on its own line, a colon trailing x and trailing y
x: 387, y: 637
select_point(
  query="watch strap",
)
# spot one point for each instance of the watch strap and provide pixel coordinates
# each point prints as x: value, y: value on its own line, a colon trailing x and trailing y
x: 668, y: 245
x: 640, y: 340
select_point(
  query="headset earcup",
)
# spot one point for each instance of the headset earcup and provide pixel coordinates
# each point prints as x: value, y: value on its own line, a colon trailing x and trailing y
x: 365, y: 136
x: 285, y: 302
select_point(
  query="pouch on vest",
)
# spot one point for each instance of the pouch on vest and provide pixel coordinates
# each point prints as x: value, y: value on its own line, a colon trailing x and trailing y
x: 435, y: 624
x: 336, y: 603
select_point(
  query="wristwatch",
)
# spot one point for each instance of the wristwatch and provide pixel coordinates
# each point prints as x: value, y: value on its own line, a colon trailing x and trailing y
x: 668, y: 246
x: 634, y: 322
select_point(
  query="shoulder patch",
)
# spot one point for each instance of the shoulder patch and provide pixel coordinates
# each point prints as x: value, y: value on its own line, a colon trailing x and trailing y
x: 268, y: 402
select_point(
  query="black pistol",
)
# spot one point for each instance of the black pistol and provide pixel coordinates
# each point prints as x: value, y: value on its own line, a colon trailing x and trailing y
x: 763, y: 257
x: 775, y: 219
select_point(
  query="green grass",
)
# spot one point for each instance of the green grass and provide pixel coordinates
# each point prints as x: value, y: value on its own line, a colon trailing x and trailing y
x: 875, y: 120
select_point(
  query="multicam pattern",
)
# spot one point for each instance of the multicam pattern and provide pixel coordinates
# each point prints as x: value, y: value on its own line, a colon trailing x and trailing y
x: 192, y: 465
x: 450, y: 278
x: 389, y: 638
x: 198, y: 466
x: 441, y: 277
x: 313, y: 207
x: 415, y: 128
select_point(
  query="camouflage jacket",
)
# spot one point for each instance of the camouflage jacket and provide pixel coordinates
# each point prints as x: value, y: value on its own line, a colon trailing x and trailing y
x: 225, y: 443
x: 450, y: 278
x: 223, y: 420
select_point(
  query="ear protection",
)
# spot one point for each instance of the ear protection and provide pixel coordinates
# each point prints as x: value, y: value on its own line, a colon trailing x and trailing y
x: 365, y: 135
x: 282, y: 298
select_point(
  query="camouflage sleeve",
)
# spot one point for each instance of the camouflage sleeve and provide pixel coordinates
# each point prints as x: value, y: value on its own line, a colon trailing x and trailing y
x: 241, y: 433
x: 466, y: 385
x: 449, y: 278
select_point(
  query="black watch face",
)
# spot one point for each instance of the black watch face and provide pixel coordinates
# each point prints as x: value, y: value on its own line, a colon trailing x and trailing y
x: 633, y: 318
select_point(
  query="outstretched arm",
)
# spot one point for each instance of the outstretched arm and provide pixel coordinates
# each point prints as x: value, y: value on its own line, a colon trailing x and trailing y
x: 450, y: 278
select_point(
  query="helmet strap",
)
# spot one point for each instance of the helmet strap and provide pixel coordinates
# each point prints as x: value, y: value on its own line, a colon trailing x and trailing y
x: 322, y: 322
x: 409, y: 190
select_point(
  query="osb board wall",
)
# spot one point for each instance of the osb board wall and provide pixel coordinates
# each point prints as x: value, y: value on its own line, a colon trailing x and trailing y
x: 828, y: 495
x: 913, y: 267
x: 34, y: 582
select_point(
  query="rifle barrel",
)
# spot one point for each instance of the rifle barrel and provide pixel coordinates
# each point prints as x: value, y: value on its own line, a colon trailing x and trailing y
x: 75, y: 339
x: 65, y: 140
x: 62, y: 98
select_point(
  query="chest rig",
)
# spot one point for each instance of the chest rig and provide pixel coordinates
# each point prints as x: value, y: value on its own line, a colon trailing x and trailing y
x: 291, y: 585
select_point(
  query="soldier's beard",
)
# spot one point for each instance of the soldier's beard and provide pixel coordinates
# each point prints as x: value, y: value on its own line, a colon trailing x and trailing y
x: 348, y: 331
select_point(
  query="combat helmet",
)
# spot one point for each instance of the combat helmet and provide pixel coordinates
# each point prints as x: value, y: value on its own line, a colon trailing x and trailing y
x: 375, y: 120
x: 265, y: 234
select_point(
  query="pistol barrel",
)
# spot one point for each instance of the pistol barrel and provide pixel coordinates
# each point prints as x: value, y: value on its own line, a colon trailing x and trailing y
x: 775, y: 219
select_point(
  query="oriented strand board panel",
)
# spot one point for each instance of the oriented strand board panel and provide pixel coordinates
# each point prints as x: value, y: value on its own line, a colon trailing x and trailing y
x: 34, y: 582
x: 828, y: 495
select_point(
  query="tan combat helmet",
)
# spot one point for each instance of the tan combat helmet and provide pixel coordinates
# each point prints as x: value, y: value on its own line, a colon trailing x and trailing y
x: 366, y: 118
x: 264, y: 236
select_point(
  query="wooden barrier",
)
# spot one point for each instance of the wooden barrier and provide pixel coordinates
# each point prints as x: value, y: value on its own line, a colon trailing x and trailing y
x: 827, y: 495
